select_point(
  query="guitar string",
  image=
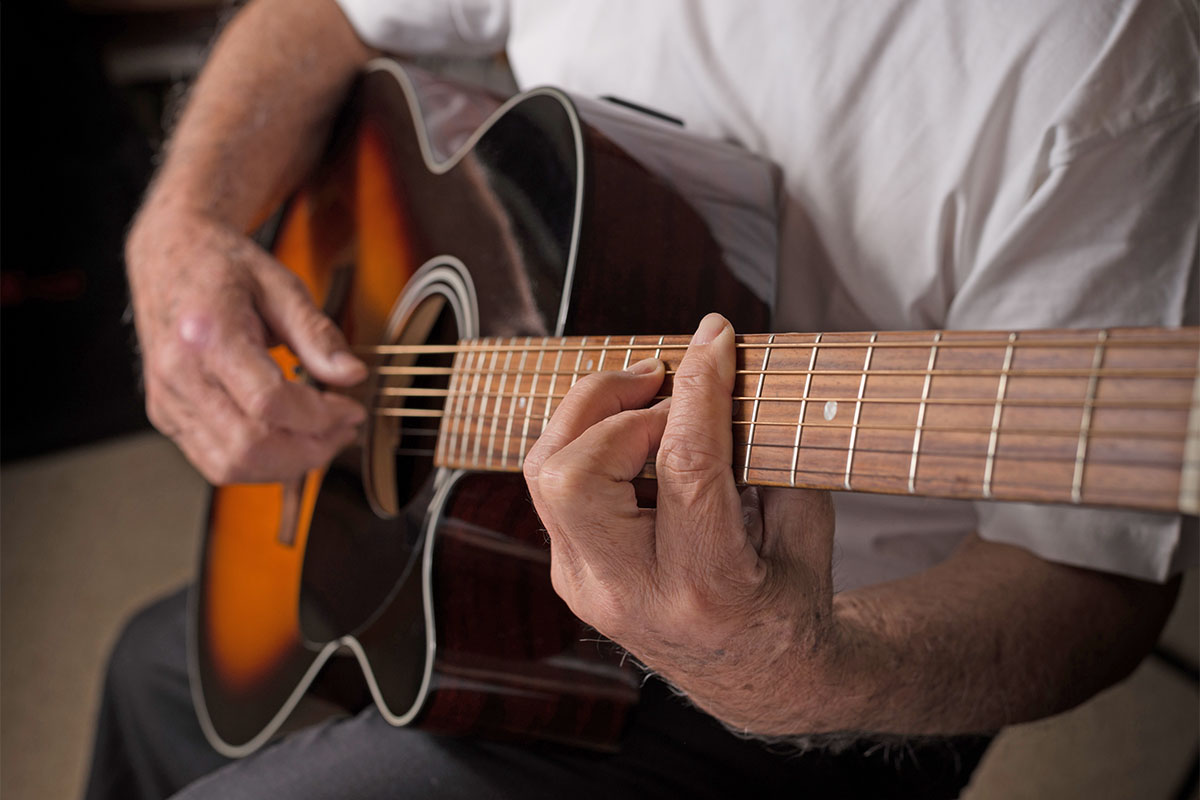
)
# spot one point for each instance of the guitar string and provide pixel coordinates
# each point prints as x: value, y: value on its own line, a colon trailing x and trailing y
x: 1171, y: 464
x: 389, y: 391
x: 1086, y: 342
x: 649, y: 468
x: 465, y: 427
x: 1125, y: 433
x: 1010, y: 452
x: 1184, y: 373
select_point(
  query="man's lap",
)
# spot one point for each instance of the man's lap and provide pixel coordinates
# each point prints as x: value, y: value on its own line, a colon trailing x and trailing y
x: 670, y: 749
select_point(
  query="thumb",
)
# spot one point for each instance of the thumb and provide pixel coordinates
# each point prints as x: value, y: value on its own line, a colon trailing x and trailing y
x: 292, y: 316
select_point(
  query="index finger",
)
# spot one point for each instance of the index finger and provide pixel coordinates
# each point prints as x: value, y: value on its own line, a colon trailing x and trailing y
x: 236, y: 359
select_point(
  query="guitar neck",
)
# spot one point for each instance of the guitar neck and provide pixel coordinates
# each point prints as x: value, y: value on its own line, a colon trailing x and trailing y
x: 1096, y: 417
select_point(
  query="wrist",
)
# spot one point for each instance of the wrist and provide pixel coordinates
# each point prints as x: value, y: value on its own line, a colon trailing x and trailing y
x: 828, y: 684
x: 784, y: 679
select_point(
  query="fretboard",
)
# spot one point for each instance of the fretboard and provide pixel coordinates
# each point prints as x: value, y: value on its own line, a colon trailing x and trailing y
x: 1083, y: 417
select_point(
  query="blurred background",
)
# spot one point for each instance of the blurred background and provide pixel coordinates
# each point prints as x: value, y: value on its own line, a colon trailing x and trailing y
x: 98, y: 514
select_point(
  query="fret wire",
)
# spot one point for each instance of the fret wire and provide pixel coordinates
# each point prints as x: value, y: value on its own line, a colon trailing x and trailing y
x: 1189, y: 478
x: 1034, y: 372
x: 553, y: 379
x: 958, y: 401
x: 462, y: 379
x: 578, y: 360
x: 483, y: 409
x: 1004, y: 486
x: 529, y: 404
x: 1001, y: 387
x: 603, y: 353
x: 812, y: 362
x: 512, y: 406
x: 1165, y: 464
x: 1011, y: 453
x: 458, y: 405
x: 466, y: 428
x: 1169, y: 463
x: 629, y: 351
x: 916, y: 449
x: 862, y: 385
x: 1085, y: 421
x: 496, y: 405
x: 1007, y: 487
x: 754, y: 415
x: 1060, y: 344
x: 659, y: 350
x: 1127, y: 433
x: 443, y: 434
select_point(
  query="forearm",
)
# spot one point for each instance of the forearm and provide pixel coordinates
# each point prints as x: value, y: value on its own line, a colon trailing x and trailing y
x: 207, y: 300
x: 259, y: 113
x: 991, y: 637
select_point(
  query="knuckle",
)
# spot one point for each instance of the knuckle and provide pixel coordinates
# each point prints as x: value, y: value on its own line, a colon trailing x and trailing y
x: 318, y: 327
x: 240, y: 449
x: 694, y: 377
x: 690, y: 459
x: 263, y: 402
x: 286, y: 279
x: 559, y: 479
x: 165, y: 361
x: 592, y: 383
x: 534, y: 460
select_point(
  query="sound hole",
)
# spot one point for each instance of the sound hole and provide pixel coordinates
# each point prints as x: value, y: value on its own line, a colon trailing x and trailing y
x: 404, y: 430
x: 369, y: 518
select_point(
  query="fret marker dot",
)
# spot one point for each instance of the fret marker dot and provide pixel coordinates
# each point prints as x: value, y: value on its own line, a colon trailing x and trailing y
x: 521, y: 403
x: 830, y: 409
x: 590, y: 363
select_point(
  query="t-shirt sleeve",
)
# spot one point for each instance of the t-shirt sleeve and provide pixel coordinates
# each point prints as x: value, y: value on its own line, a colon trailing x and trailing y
x: 430, y: 27
x: 1107, y: 236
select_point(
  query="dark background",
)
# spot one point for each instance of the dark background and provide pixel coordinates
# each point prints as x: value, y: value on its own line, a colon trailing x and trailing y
x: 84, y: 92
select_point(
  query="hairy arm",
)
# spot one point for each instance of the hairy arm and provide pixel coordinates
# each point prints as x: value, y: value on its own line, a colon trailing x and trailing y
x: 207, y: 300
x: 729, y: 596
x: 991, y: 637
x: 260, y: 110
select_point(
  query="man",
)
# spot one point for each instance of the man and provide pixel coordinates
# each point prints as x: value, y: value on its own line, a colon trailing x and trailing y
x: 945, y: 166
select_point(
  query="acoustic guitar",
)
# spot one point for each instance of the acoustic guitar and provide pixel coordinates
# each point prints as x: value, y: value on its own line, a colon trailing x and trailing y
x: 471, y: 250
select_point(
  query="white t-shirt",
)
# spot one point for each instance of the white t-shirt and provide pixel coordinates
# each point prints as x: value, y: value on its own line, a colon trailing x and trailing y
x: 946, y: 164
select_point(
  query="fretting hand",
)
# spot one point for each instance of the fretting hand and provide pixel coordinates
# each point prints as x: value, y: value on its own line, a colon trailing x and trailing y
x: 729, y: 596
x: 207, y: 303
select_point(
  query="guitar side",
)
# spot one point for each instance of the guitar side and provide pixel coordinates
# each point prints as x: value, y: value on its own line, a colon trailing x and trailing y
x: 343, y: 235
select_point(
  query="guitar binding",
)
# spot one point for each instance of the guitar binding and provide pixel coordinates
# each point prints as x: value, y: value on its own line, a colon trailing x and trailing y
x: 436, y: 309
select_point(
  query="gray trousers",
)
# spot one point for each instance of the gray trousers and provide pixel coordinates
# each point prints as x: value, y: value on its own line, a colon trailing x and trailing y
x: 149, y: 745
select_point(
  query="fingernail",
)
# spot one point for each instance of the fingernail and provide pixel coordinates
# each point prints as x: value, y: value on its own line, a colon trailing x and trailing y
x: 643, y: 367
x: 343, y: 361
x: 710, y: 327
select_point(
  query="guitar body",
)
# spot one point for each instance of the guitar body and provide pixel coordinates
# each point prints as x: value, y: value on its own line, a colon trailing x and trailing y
x: 441, y: 214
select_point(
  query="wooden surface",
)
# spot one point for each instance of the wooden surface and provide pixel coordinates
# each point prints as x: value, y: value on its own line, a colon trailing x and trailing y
x: 1084, y: 417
